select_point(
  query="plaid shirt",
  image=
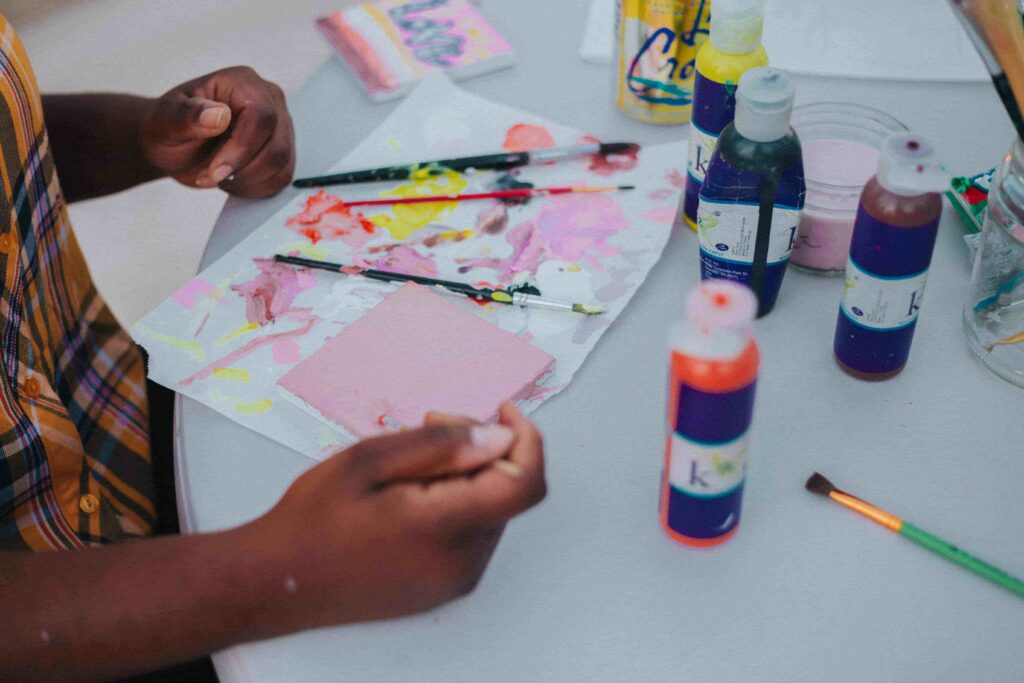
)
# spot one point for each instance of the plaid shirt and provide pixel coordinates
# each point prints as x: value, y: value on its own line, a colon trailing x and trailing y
x: 74, y: 430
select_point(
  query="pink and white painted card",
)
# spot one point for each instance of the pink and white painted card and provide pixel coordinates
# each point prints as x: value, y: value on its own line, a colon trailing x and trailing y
x: 227, y: 337
x: 391, y: 44
x: 414, y: 352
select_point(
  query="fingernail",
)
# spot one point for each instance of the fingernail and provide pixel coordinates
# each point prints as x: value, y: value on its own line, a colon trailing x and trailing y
x: 510, y: 468
x: 495, y: 439
x: 220, y: 173
x: 213, y: 117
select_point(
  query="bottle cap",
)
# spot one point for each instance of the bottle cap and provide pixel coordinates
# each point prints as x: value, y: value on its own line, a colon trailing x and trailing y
x: 736, y: 25
x: 719, y: 320
x: 908, y: 166
x: 764, y: 103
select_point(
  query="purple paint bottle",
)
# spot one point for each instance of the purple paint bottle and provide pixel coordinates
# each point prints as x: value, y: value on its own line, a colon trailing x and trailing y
x: 891, y: 250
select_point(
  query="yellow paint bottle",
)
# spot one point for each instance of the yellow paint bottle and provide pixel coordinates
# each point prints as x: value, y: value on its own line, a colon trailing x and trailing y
x: 733, y: 48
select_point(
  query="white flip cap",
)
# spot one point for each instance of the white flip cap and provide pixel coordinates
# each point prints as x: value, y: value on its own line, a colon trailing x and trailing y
x: 736, y: 25
x: 719, y: 320
x: 909, y: 167
x: 764, y: 103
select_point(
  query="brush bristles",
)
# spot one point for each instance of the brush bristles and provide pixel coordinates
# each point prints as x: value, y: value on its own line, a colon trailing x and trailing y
x: 820, y: 485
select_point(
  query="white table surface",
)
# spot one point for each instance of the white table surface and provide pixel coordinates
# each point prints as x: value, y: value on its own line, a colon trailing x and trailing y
x: 585, y: 587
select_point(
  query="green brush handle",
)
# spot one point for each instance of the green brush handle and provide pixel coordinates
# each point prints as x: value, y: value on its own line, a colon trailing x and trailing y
x: 937, y: 545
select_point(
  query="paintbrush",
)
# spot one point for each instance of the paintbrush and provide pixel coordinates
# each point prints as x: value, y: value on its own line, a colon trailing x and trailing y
x: 501, y: 296
x: 823, y: 487
x: 497, y: 161
x: 518, y: 193
x: 994, y: 26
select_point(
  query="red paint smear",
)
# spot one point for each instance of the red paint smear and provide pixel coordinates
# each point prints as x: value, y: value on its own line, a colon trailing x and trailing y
x: 676, y: 179
x: 605, y: 166
x: 325, y: 216
x: 523, y: 137
x: 492, y: 220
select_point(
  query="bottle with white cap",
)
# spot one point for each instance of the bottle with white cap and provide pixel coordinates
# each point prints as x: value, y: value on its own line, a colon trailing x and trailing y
x: 713, y: 368
x: 890, y: 253
x: 750, y: 203
x: 733, y: 48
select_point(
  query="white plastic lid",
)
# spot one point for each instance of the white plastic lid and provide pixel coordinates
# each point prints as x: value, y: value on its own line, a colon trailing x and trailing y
x: 909, y: 166
x: 736, y: 25
x: 719, y: 320
x: 764, y: 104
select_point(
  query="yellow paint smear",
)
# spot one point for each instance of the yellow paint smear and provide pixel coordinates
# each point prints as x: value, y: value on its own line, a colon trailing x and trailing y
x: 454, y: 235
x: 254, y: 407
x: 306, y: 249
x: 233, y: 374
x: 408, y: 218
x: 238, y: 332
x: 192, y: 348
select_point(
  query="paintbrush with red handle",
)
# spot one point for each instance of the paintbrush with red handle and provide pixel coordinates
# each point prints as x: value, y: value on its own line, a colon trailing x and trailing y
x: 517, y: 193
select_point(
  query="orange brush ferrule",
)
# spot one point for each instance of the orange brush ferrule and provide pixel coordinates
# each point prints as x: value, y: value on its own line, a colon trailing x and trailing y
x: 876, y: 514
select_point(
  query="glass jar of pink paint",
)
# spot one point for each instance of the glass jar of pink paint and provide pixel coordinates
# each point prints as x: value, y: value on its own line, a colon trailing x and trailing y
x: 840, y: 144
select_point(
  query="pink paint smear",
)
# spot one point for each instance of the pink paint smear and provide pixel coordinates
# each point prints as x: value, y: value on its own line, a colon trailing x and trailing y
x: 523, y: 137
x: 272, y: 291
x: 661, y: 214
x: 566, y: 229
x: 303, y: 315
x: 286, y: 352
x: 194, y: 290
x: 326, y: 217
x: 406, y: 260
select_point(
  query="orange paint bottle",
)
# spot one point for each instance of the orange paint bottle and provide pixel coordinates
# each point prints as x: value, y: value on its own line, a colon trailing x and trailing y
x: 713, y: 368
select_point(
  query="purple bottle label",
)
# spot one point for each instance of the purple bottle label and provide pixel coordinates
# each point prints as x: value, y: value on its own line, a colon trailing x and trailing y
x: 714, y: 107
x: 884, y: 290
x: 708, y: 460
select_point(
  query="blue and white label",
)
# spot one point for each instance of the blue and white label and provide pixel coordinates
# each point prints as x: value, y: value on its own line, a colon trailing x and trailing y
x: 702, y: 146
x: 707, y: 469
x: 728, y: 231
x: 882, y: 303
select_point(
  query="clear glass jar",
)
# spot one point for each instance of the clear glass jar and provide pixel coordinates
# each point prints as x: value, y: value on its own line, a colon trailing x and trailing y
x: 840, y: 143
x: 994, y: 312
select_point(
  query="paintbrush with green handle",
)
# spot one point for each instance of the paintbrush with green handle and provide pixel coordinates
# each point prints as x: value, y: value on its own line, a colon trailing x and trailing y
x: 501, y: 296
x: 823, y: 487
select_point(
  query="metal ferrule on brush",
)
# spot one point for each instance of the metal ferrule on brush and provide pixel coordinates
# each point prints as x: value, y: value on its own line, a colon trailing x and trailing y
x: 886, y: 519
x: 534, y: 301
x: 556, y: 153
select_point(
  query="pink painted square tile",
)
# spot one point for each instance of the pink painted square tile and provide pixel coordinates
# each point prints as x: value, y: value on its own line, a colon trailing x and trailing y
x: 412, y: 353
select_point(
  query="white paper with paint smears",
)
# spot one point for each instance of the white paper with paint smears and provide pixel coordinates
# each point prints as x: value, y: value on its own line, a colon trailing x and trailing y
x: 227, y: 337
x: 414, y: 352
